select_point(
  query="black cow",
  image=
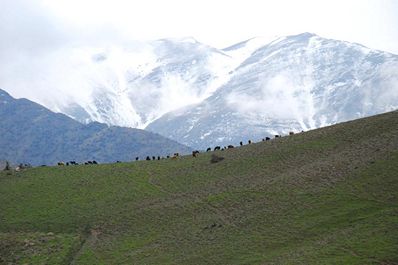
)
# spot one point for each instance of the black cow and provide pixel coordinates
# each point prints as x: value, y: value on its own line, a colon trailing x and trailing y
x: 148, y: 158
x: 230, y: 146
x: 250, y: 141
x: 241, y: 143
x: 158, y: 157
x: 195, y: 153
x: 217, y: 148
x: 208, y: 149
x: 137, y: 158
x: 267, y: 138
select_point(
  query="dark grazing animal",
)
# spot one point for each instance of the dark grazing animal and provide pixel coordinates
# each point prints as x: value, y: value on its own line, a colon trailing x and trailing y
x: 148, y: 158
x: 291, y: 133
x: 208, y: 149
x: 153, y: 158
x: 250, y: 141
x: 195, y: 153
x: 217, y: 148
x: 267, y: 138
x: 137, y: 158
x: 241, y: 143
x: 230, y: 146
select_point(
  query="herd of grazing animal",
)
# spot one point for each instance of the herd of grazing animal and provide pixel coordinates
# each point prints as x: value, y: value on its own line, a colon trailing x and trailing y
x: 176, y: 155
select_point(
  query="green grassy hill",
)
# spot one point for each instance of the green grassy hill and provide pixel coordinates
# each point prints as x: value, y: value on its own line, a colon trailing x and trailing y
x: 328, y: 196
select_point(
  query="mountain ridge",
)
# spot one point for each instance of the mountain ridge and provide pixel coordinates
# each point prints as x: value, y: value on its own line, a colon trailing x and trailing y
x: 295, y: 83
x: 261, y: 87
x: 30, y: 133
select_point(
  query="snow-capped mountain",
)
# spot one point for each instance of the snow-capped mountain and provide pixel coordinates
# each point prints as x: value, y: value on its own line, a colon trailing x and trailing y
x: 291, y: 84
x: 202, y: 96
x: 134, y: 86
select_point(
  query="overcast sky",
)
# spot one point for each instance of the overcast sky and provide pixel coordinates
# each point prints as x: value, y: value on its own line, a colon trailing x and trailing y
x: 41, y: 41
x: 39, y: 25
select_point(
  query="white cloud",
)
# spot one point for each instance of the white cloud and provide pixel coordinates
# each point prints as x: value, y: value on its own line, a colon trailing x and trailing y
x: 284, y: 96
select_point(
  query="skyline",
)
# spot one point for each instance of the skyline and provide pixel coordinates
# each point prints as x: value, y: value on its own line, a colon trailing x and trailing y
x: 37, y: 25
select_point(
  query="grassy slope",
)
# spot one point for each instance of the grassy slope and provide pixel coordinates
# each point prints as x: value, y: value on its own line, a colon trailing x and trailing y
x: 328, y: 196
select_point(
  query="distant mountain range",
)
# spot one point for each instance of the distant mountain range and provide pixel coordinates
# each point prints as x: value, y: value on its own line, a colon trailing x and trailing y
x: 295, y: 83
x: 30, y: 133
x: 202, y: 96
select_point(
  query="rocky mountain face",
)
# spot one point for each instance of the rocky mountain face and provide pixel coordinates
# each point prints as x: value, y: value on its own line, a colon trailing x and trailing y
x: 291, y: 84
x: 202, y: 96
x: 30, y: 133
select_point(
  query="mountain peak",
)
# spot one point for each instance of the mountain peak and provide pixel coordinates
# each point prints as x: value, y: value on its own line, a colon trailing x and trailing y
x: 302, y: 36
x: 4, y: 96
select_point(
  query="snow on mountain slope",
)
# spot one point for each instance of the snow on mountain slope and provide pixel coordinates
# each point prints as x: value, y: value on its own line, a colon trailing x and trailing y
x: 202, y: 96
x: 127, y: 85
x: 296, y: 83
